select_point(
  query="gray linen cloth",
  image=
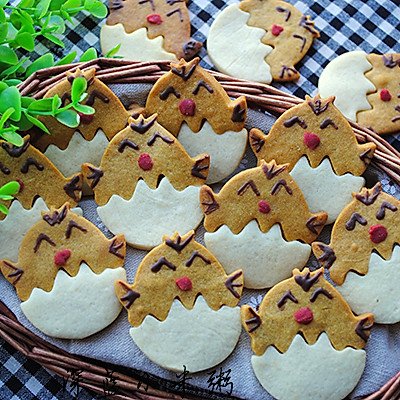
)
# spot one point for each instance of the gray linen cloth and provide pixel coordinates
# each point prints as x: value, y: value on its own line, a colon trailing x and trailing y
x: 114, y: 344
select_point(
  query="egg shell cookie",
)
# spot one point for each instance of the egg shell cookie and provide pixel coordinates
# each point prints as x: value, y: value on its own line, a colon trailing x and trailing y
x: 322, y: 150
x: 194, y: 107
x: 362, y: 257
x: 64, y: 261
x: 260, y: 40
x: 255, y: 205
x: 147, y: 184
x: 321, y: 335
x: 182, y: 305
x: 366, y: 87
x: 149, y: 30
x: 37, y: 177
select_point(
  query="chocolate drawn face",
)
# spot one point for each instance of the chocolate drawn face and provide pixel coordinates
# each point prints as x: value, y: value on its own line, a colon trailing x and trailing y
x: 315, y: 129
x: 179, y: 268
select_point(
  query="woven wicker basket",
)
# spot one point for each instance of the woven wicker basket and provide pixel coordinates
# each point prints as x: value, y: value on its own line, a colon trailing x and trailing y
x: 130, y: 384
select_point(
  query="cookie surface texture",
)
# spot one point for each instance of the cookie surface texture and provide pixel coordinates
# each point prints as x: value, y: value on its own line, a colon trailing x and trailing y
x: 37, y: 176
x: 65, y: 240
x: 181, y: 304
x: 255, y: 205
x: 368, y: 224
x: 166, y: 22
x: 195, y: 108
x: 321, y: 333
x: 279, y: 33
x: 136, y: 198
x: 322, y: 150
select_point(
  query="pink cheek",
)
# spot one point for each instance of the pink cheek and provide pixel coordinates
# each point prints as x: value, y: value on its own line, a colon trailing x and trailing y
x: 377, y: 233
x: 276, y: 30
x: 184, y: 283
x: 145, y: 162
x: 61, y: 257
x: 311, y: 140
x: 154, y: 19
x: 187, y: 107
x: 264, y: 207
x: 385, y: 95
x: 86, y: 118
x: 21, y: 185
x: 304, y: 316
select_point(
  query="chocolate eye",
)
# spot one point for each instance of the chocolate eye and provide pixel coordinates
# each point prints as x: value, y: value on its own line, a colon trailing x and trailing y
x: 319, y: 291
x: 193, y: 256
x: 328, y: 122
x: 381, y: 212
x: 163, y: 138
x: 169, y: 90
x: 200, y: 84
x: 351, y: 223
x: 246, y: 185
x: 127, y: 143
x: 162, y: 261
x: 287, y: 296
x: 4, y: 169
x: 40, y: 238
x: 278, y: 185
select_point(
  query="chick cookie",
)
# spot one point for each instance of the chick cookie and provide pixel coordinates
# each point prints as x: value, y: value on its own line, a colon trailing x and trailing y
x: 182, y: 306
x: 149, y: 30
x: 322, y: 150
x: 65, y: 275
x: 260, y: 40
x: 194, y: 107
x: 69, y: 148
x: 363, y: 256
x: 304, y: 324
x: 147, y: 185
x: 257, y: 221
x: 366, y: 87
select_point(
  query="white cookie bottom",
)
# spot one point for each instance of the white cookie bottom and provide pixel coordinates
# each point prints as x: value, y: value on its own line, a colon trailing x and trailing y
x: 344, y: 78
x: 16, y: 224
x: 323, y: 189
x: 265, y: 258
x: 377, y: 291
x: 149, y: 214
x: 76, y: 307
x: 236, y: 49
x: 135, y: 46
x: 307, y: 372
x: 197, y: 339
x: 225, y: 150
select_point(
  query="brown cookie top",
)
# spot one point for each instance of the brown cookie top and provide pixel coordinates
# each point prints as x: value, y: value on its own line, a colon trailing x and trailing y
x: 269, y: 195
x: 306, y: 304
x: 384, y: 117
x: 37, y: 176
x: 167, y: 18
x: 316, y: 129
x: 110, y: 114
x: 143, y: 150
x: 179, y: 268
x: 289, y: 32
x: 61, y: 239
x: 371, y: 221
x: 189, y: 93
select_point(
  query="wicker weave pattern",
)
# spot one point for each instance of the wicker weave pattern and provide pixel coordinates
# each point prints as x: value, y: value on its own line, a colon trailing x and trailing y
x: 258, y: 95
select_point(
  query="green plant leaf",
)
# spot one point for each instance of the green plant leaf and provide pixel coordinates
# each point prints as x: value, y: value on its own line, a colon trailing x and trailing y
x: 88, y: 55
x: 37, y: 123
x: 70, y: 4
x: 14, y: 68
x: 68, y: 59
x: 3, y: 18
x: 3, y: 86
x: 45, y: 61
x: 3, y: 31
x: 25, y: 40
x: 11, y: 136
x: 13, y: 82
x: 3, y: 3
x: 58, y: 22
x: 69, y: 118
x: 8, y: 55
x: 27, y: 101
x: 113, y: 51
x: 96, y: 8
x: 11, y: 97
x: 40, y: 106
x: 53, y: 39
x: 56, y: 103
x: 42, y: 8
x: 3, y: 209
x: 10, y: 189
x: 5, y: 115
x: 84, y: 109
x: 79, y: 86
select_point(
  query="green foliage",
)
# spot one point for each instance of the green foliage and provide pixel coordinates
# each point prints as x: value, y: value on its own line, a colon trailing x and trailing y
x: 7, y: 192
x: 20, y: 25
